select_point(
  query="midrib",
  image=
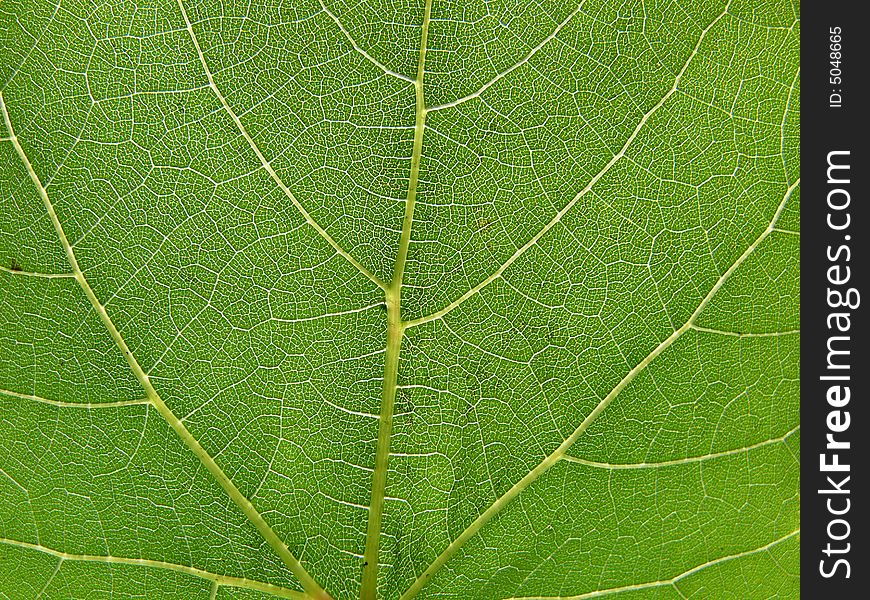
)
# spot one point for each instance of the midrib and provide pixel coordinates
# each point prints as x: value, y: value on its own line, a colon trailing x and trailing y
x: 395, y: 332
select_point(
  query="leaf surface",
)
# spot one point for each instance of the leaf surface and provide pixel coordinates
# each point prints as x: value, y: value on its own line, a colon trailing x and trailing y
x: 399, y: 300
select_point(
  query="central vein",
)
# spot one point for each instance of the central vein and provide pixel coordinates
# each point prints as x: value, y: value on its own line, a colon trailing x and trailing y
x: 395, y: 332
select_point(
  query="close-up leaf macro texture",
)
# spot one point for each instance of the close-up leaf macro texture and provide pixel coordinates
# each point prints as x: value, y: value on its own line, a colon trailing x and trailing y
x: 399, y: 299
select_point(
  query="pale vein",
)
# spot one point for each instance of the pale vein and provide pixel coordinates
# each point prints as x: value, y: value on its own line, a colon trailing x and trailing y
x: 35, y: 274
x: 534, y: 240
x: 514, y: 67
x: 62, y: 404
x: 557, y: 454
x: 747, y: 335
x: 679, y: 461
x: 151, y: 394
x: 395, y: 333
x: 215, y: 578
x: 359, y: 49
x: 666, y: 582
x: 266, y: 165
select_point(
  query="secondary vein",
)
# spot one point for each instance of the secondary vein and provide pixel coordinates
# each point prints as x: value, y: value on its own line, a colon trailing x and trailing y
x: 217, y: 579
x: 151, y: 394
x: 266, y: 165
x: 672, y: 581
x: 359, y: 49
x: 587, y: 188
x: 679, y: 461
x: 87, y: 405
x: 525, y: 59
x: 560, y: 452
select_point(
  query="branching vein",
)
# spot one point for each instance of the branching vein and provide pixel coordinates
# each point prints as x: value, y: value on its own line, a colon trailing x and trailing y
x: 266, y: 165
x: 556, y: 219
x: 151, y: 394
x: 557, y: 454
x: 357, y: 47
x: 668, y: 582
x: 513, y: 67
x: 395, y: 332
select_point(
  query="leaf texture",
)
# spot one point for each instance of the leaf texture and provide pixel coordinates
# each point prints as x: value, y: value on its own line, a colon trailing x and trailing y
x: 330, y: 299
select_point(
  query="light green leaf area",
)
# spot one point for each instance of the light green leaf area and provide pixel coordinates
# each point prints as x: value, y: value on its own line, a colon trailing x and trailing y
x: 420, y: 299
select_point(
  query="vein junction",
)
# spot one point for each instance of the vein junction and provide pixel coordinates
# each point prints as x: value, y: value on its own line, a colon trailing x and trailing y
x: 395, y: 332
x: 560, y: 452
x: 396, y: 328
x: 151, y: 394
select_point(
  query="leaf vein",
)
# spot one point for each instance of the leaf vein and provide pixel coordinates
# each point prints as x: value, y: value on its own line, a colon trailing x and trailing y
x: 559, y: 452
x: 513, y: 67
x: 151, y: 394
x: 680, y: 461
x: 266, y: 165
x: 395, y: 334
x: 359, y: 49
x: 674, y: 580
x: 215, y: 578
x: 559, y: 215
x: 34, y: 274
x: 747, y: 335
x: 64, y: 404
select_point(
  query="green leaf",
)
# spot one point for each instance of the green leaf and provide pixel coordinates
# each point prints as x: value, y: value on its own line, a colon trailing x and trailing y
x: 399, y: 300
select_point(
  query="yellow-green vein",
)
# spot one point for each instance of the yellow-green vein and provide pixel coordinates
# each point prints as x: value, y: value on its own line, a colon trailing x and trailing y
x: 151, y: 394
x: 215, y: 578
x: 395, y: 332
x: 560, y: 452
x: 668, y: 582
x: 265, y: 163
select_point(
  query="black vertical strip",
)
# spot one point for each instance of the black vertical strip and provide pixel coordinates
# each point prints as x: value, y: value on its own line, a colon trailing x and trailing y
x: 834, y: 102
